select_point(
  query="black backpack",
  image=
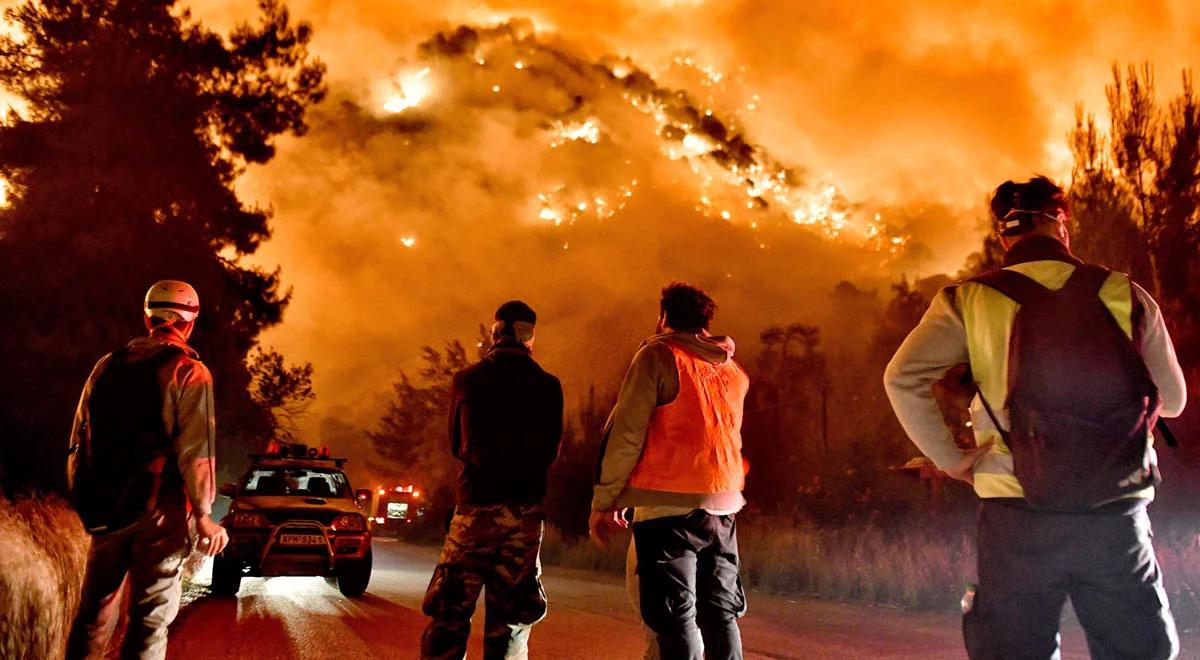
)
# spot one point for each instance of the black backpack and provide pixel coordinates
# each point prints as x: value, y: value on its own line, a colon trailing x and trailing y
x: 113, y: 485
x: 1080, y: 398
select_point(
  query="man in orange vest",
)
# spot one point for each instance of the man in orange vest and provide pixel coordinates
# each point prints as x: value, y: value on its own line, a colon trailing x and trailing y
x: 673, y: 452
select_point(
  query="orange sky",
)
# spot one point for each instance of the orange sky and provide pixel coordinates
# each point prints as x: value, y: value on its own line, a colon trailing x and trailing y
x: 914, y: 109
x: 882, y: 94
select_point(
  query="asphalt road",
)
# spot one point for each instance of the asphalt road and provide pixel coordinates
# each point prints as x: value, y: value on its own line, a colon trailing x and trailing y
x: 590, y: 618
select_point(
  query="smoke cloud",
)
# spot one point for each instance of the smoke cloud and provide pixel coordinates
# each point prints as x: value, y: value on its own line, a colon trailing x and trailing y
x: 562, y: 153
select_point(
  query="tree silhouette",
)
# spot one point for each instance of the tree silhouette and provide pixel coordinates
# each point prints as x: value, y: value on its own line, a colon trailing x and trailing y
x: 286, y: 391
x: 900, y: 316
x: 1104, y: 218
x: 120, y: 173
x: 1136, y: 195
x: 569, y: 491
x: 411, y: 438
x: 784, y: 435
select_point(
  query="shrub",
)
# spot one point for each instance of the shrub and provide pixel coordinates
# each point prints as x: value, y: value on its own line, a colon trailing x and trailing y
x: 915, y: 562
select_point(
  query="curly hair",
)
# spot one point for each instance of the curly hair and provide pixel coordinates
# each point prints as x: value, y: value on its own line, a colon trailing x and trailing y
x: 688, y: 308
x: 1036, y: 194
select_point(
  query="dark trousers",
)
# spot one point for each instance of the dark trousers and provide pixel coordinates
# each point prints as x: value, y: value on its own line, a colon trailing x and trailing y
x: 1031, y: 562
x: 691, y: 594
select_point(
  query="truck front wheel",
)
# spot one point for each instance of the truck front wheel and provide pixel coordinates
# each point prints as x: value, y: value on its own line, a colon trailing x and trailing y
x: 353, y: 576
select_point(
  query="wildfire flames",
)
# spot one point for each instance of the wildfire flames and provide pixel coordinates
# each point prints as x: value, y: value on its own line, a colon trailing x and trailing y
x: 581, y: 159
x: 413, y: 89
x: 733, y: 178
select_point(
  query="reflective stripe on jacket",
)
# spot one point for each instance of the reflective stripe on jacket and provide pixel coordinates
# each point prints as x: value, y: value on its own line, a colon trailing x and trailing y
x: 694, y: 443
x: 940, y: 342
x: 988, y: 319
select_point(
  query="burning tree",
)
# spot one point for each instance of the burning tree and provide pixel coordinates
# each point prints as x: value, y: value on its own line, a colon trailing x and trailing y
x: 120, y: 172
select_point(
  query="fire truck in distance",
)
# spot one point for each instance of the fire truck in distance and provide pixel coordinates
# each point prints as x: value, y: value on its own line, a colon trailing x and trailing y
x: 396, y: 509
x: 294, y: 513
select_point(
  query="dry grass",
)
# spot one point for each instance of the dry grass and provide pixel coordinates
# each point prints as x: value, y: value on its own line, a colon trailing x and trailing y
x: 583, y: 554
x: 1178, y: 549
x: 917, y: 567
x: 920, y: 565
x: 43, y: 556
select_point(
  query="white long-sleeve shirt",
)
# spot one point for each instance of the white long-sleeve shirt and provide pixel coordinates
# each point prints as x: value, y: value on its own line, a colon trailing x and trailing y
x: 939, y: 342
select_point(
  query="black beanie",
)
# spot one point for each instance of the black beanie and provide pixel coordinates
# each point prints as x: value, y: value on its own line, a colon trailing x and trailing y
x: 515, y: 310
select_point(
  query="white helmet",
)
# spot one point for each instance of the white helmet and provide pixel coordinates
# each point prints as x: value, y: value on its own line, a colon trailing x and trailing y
x: 172, y: 300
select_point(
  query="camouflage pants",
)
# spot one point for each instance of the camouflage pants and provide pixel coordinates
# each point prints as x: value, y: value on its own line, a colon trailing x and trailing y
x: 494, y: 549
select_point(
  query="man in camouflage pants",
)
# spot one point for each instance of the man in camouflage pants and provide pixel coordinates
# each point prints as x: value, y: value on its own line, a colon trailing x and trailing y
x: 505, y: 427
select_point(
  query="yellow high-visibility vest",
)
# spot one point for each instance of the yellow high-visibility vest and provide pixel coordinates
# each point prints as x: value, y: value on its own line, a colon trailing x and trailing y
x: 988, y: 319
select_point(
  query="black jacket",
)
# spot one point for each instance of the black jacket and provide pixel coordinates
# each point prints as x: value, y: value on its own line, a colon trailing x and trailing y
x: 506, y: 422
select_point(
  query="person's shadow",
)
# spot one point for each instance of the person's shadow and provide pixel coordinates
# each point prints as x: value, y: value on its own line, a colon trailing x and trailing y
x: 393, y: 629
x: 218, y: 627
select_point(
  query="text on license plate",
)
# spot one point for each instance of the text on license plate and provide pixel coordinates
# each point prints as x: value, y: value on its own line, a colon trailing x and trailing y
x: 301, y: 539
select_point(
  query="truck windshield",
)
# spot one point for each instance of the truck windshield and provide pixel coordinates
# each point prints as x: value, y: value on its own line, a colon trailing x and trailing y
x: 307, y: 482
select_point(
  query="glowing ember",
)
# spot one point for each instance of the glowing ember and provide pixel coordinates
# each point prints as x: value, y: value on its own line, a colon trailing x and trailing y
x: 733, y: 178
x: 408, y: 241
x: 414, y: 88
x: 585, y: 131
x: 694, y: 145
x: 724, y: 162
x: 562, y: 206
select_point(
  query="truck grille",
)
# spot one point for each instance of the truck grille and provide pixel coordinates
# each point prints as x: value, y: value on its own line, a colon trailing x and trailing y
x: 278, y: 516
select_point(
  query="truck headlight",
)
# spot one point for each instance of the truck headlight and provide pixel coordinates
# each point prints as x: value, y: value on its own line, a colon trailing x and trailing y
x: 248, y: 519
x: 348, y: 522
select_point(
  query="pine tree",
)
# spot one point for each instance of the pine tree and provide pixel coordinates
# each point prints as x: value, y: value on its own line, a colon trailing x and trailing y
x: 1136, y: 196
x: 411, y: 438
x: 120, y: 173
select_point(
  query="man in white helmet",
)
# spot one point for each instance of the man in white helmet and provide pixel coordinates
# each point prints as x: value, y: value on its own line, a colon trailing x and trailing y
x: 142, y: 461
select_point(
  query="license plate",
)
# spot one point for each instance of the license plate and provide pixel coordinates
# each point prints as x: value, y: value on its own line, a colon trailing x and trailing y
x: 301, y: 539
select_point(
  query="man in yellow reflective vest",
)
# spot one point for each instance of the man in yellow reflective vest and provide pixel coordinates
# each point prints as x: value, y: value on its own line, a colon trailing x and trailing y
x: 1031, y: 556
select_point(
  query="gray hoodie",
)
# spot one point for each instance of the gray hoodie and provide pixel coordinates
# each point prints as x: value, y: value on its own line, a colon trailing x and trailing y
x: 653, y: 381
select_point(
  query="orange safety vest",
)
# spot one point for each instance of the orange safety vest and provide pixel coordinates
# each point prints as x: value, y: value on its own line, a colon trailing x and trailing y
x: 694, y: 443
